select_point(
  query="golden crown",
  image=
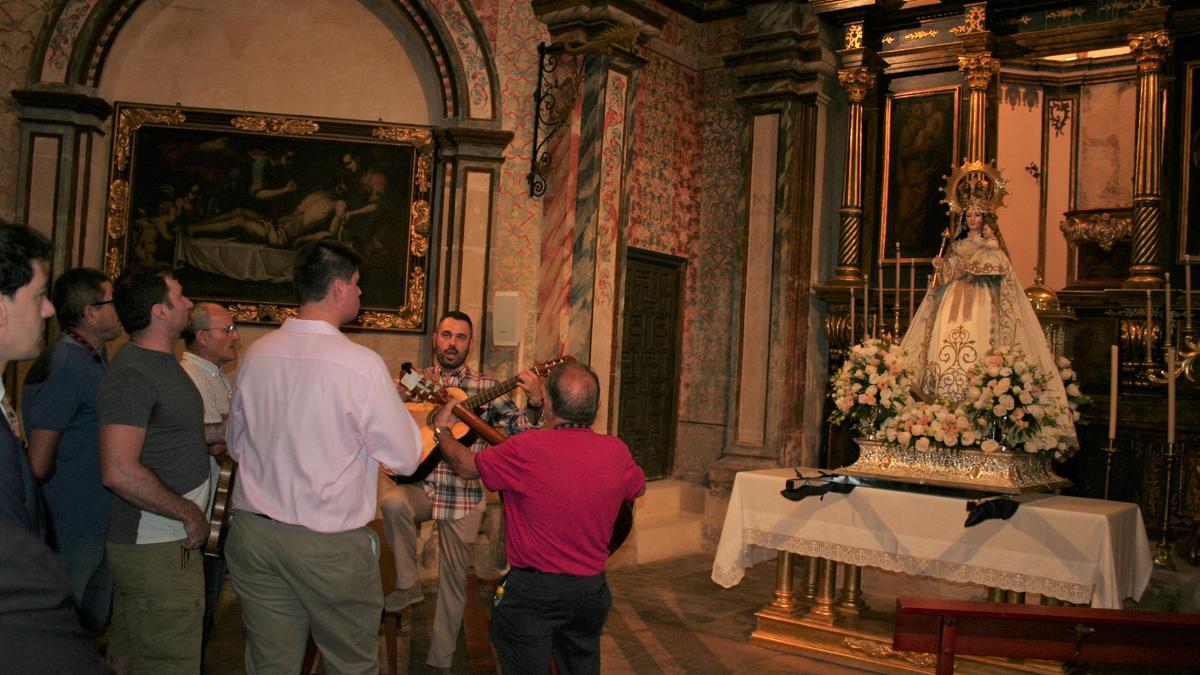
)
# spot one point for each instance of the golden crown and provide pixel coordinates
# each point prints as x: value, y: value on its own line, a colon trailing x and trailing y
x: 974, y: 184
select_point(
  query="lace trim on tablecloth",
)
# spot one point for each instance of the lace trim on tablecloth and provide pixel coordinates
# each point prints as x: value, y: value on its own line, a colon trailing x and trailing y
x: 1010, y: 581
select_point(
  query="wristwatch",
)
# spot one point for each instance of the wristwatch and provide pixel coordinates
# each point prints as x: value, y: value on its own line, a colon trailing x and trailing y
x: 438, y: 431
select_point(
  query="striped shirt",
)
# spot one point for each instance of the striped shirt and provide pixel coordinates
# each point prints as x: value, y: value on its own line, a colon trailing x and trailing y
x: 454, y: 498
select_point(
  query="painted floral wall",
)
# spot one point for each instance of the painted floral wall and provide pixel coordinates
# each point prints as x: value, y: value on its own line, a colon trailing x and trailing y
x: 20, y: 21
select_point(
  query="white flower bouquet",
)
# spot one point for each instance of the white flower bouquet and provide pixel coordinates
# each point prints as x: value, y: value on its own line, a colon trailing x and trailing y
x: 1075, y: 396
x: 1011, y: 406
x: 927, y: 426
x: 872, y: 387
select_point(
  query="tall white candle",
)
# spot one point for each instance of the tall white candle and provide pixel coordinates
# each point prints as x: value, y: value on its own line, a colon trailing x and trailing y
x: 1187, y: 295
x: 912, y: 291
x: 897, y: 322
x: 1167, y: 313
x: 1149, y: 328
x: 853, y: 318
x: 1115, y: 362
x: 866, y: 305
x: 1170, y: 395
x: 879, y: 324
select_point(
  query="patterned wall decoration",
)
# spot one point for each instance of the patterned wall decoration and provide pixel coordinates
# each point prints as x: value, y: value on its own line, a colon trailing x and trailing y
x: 516, y: 232
x: 19, y: 23
x: 479, y: 81
x: 58, y: 50
x: 683, y: 200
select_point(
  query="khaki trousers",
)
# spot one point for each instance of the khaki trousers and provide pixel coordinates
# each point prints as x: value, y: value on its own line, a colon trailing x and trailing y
x: 158, y: 606
x: 404, y: 506
x: 292, y: 580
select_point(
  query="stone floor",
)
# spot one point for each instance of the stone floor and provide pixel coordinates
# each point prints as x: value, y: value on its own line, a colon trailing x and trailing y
x: 669, y: 617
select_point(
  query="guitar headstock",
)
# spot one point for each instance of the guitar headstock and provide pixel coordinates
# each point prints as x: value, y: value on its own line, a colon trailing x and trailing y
x: 543, y: 369
x: 416, y: 387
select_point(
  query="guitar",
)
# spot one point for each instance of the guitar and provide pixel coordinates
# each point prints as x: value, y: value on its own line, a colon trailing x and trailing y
x: 218, y: 524
x: 426, y: 397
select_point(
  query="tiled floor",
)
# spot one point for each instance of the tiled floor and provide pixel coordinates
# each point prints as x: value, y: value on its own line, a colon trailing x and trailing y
x: 667, y: 617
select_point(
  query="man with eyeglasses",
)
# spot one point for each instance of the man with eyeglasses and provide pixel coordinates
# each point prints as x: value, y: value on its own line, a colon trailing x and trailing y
x: 210, y: 340
x: 59, y: 406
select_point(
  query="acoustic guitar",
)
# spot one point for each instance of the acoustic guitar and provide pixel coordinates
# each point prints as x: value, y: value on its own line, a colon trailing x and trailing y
x: 426, y: 397
x: 218, y: 524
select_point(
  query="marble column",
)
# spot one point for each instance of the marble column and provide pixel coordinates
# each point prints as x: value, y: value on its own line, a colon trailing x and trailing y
x: 1150, y: 50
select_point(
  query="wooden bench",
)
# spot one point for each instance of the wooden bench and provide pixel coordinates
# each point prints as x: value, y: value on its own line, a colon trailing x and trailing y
x: 1069, y: 634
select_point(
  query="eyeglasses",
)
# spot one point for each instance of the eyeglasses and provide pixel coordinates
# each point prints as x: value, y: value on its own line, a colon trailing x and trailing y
x: 228, y: 330
x: 102, y: 303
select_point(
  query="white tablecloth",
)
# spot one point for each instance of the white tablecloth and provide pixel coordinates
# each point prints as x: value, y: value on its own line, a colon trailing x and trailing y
x: 1085, y: 551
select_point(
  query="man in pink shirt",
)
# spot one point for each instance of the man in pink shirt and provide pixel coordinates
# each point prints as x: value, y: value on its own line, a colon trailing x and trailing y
x: 562, y: 487
x: 313, y: 416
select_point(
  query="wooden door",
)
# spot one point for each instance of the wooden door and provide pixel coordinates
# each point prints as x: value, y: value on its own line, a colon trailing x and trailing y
x: 650, y: 359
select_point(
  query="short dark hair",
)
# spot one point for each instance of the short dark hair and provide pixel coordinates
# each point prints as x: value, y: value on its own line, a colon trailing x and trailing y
x: 74, y: 291
x: 577, y: 399
x: 318, y: 264
x: 137, y: 291
x: 19, y: 247
x: 457, y: 316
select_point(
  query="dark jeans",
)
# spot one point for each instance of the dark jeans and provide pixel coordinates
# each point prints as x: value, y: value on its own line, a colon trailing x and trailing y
x: 542, y: 615
x: 214, y: 576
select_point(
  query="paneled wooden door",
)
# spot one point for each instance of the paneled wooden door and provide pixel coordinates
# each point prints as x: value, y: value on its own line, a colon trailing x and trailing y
x: 650, y: 359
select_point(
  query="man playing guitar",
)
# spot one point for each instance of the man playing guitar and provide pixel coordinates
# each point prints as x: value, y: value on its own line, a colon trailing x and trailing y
x: 456, y: 504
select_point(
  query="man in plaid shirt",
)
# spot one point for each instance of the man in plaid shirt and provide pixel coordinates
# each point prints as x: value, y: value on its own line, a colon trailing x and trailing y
x: 455, y: 503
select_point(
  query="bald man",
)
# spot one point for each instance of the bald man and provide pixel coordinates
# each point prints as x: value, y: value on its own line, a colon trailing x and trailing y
x: 562, y: 487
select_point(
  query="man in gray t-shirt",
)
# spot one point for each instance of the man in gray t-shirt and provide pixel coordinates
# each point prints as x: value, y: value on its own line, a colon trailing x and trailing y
x: 153, y: 456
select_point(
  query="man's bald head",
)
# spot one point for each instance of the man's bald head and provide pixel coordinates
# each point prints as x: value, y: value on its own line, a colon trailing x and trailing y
x: 574, y: 393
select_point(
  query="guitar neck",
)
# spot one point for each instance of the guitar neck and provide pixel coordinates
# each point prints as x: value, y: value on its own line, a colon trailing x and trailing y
x: 491, y: 393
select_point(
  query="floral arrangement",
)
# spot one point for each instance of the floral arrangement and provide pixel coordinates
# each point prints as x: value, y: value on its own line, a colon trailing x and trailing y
x: 1012, y: 405
x: 873, y: 385
x: 1075, y: 397
x: 928, y: 425
x: 1008, y: 406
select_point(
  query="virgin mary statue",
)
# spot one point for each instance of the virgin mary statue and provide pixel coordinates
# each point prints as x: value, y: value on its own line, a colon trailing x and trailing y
x: 975, y: 303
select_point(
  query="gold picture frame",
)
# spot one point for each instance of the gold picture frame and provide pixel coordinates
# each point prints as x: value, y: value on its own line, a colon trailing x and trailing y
x: 1189, y: 194
x: 228, y: 197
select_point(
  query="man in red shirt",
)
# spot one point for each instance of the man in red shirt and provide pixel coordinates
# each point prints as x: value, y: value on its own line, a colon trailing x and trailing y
x: 562, y: 487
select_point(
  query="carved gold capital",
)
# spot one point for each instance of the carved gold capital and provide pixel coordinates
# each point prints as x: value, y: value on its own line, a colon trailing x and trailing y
x: 978, y: 68
x: 1150, y: 49
x: 857, y: 82
x: 1105, y: 228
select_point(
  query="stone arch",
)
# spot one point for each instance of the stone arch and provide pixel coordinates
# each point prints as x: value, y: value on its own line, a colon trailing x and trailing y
x: 78, y: 34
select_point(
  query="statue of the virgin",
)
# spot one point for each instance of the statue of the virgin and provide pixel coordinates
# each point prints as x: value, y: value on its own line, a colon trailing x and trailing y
x: 975, y: 303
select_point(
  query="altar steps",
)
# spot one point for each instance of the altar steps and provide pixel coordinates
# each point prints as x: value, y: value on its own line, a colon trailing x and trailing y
x: 667, y: 523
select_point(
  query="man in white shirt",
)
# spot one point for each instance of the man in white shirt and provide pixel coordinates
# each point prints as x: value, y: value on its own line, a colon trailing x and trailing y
x: 211, y: 340
x: 313, y: 416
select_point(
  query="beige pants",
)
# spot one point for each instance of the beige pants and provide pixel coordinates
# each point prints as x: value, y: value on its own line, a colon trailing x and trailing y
x: 404, y: 506
x: 292, y: 580
x: 158, y: 606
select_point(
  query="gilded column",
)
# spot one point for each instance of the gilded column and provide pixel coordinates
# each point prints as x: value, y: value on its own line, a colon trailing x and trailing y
x: 978, y: 69
x: 1150, y: 50
x: 857, y: 82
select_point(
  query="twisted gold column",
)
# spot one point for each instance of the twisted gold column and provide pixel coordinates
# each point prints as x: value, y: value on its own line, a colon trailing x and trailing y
x: 1150, y: 50
x: 857, y: 82
x: 978, y: 69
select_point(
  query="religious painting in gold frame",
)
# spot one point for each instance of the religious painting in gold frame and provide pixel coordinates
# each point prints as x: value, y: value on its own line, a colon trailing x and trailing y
x: 920, y: 149
x: 1189, y: 195
x: 227, y: 198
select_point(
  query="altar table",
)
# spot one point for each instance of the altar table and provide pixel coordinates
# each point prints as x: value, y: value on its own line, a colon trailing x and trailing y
x: 1083, y: 551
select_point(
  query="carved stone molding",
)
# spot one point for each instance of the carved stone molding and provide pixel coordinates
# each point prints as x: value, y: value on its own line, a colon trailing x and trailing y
x: 1100, y: 226
x: 978, y: 69
x: 857, y: 82
x: 1150, y: 49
